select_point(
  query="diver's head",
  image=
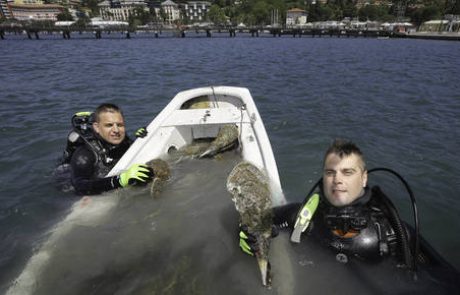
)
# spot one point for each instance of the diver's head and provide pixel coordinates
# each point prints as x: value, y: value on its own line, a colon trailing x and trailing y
x: 344, y: 173
x: 109, y: 123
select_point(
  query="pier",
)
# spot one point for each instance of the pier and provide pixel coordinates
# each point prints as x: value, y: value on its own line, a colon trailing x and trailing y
x: 53, y: 32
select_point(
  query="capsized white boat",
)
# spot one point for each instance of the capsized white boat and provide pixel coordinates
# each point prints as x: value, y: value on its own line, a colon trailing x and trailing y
x: 200, y: 113
x: 176, y: 126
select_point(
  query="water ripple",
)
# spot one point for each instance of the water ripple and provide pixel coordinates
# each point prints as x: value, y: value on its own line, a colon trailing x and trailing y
x: 398, y: 99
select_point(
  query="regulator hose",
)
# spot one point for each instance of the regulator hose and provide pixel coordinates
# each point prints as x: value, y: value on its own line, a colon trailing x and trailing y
x: 410, y: 261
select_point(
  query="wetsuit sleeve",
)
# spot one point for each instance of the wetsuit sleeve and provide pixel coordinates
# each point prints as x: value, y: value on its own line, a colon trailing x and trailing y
x: 83, y: 170
x: 285, y: 216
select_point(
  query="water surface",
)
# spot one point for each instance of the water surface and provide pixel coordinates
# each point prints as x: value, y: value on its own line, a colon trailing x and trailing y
x: 398, y: 99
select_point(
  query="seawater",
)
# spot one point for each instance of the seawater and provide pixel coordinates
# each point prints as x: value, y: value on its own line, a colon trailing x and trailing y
x: 398, y: 99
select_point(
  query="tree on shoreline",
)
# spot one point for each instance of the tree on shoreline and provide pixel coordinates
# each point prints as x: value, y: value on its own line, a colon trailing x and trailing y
x: 216, y: 15
x: 257, y: 12
x: 261, y: 12
x: 92, y: 5
x: 64, y: 16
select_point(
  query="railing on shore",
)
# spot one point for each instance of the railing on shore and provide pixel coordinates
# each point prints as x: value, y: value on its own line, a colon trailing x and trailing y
x: 35, y: 32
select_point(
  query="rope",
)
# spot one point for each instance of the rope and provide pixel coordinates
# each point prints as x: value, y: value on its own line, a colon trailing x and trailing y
x: 242, y: 108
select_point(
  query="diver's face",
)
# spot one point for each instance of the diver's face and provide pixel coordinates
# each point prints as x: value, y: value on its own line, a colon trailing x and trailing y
x: 111, y: 127
x: 343, y: 179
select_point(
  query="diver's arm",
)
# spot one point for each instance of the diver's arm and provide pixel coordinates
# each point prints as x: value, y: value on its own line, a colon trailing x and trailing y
x: 285, y: 216
x: 83, y: 166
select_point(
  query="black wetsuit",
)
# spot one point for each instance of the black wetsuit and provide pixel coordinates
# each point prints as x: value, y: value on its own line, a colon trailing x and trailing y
x: 89, y: 166
x: 360, y: 229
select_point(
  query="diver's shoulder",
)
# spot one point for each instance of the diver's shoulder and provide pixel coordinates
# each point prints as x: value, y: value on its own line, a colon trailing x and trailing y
x: 83, y: 154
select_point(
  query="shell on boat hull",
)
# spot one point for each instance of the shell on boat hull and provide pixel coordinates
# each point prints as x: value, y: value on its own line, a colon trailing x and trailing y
x: 161, y: 172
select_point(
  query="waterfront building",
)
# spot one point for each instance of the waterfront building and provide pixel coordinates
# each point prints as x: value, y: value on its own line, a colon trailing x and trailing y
x: 171, y: 11
x: 195, y: 11
x: 73, y: 4
x: 35, y: 11
x: 360, y: 3
x: 444, y: 25
x: 30, y: 9
x: 153, y: 5
x: 119, y: 10
x: 296, y: 16
x: 37, y: 2
x: 4, y: 10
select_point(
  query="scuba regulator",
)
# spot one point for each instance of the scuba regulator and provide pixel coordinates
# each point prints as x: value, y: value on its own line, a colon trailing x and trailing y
x: 350, y: 219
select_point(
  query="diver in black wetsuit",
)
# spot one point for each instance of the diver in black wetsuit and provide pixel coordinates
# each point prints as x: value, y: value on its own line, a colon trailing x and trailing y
x: 360, y: 229
x: 345, y: 215
x: 102, y: 148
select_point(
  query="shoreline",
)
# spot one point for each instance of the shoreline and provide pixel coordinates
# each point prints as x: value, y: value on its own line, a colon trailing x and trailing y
x: 150, y: 34
x: 448, y: 36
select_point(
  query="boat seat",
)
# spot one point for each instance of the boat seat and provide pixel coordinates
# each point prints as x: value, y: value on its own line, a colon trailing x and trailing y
x: 205, y: 117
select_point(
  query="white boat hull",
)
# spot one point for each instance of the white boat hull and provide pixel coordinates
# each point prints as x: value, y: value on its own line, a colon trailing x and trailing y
x: 176, y: 127
x: 172, y: 128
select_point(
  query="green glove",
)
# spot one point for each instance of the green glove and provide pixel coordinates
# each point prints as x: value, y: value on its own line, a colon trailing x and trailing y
x: 136, y: 174
x: 141, y: 132
x: 247, y: 241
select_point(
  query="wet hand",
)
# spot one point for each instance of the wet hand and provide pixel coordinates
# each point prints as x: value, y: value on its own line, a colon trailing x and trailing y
x: 136, y: 174
x: 247, y: 241
x: 141, y: 132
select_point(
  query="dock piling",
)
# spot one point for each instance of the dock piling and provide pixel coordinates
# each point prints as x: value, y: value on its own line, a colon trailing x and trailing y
x: 66, y: 34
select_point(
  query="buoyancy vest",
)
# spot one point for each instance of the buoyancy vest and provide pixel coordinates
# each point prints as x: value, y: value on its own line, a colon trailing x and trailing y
x: 360, y: 229
x: 82, y: 134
